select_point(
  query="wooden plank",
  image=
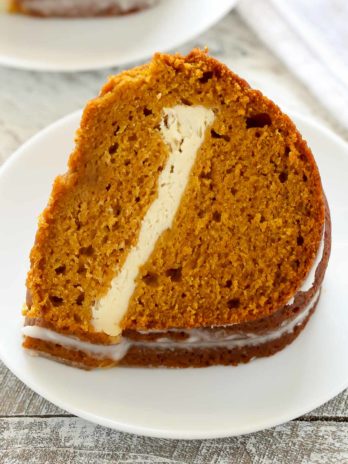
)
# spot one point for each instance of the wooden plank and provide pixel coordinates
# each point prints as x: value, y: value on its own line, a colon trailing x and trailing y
x: 336, y: 408
x: 28, y: 101
x: 18, y: 400
x: 71, y: 440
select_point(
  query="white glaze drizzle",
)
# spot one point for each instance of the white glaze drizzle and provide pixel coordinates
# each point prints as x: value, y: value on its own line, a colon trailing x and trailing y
x: 115, y: 352
x: 198, y: 338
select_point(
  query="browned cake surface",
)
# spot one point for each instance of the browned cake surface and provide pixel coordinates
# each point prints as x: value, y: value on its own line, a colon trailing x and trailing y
x: 246, y: 232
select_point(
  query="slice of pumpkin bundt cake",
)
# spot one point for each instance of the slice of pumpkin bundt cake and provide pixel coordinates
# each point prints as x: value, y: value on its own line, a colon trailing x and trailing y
x: 190, y: 229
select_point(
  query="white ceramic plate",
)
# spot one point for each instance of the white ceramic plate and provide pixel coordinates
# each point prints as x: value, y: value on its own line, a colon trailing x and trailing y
x: 81, y: 44
x: 191, y: 403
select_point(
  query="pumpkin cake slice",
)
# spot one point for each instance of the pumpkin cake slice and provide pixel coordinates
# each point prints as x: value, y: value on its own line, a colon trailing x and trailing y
x: 190, y: 229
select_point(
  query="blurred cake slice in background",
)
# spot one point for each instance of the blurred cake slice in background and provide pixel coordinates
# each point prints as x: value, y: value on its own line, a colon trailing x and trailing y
x: 75, y: 8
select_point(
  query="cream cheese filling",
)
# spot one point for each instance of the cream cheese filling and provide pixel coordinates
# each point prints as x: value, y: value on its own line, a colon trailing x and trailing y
x: 197, y: 338
x: 183, y: 129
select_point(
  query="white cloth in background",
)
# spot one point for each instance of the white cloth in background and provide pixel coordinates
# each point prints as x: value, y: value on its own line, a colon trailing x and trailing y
x: 311, y: 38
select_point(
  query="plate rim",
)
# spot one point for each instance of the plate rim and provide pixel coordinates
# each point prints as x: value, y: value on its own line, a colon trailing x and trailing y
x: 261, y: 424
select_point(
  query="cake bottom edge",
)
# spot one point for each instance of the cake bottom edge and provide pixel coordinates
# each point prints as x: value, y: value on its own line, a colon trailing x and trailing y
x: 143, y: 356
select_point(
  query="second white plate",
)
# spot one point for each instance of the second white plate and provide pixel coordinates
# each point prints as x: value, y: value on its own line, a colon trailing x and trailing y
x: 177, y: 403
x: 82, y: 44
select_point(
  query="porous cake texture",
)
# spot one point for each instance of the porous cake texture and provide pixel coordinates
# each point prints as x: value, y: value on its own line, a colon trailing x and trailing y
x: 190, y: 229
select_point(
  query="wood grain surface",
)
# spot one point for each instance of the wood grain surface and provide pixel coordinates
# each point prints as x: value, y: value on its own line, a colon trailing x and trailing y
x: 70, y: 440
x: 34, y: 431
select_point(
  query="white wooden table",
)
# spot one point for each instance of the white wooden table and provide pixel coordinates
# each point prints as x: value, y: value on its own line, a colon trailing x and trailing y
x: 33, y: 430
